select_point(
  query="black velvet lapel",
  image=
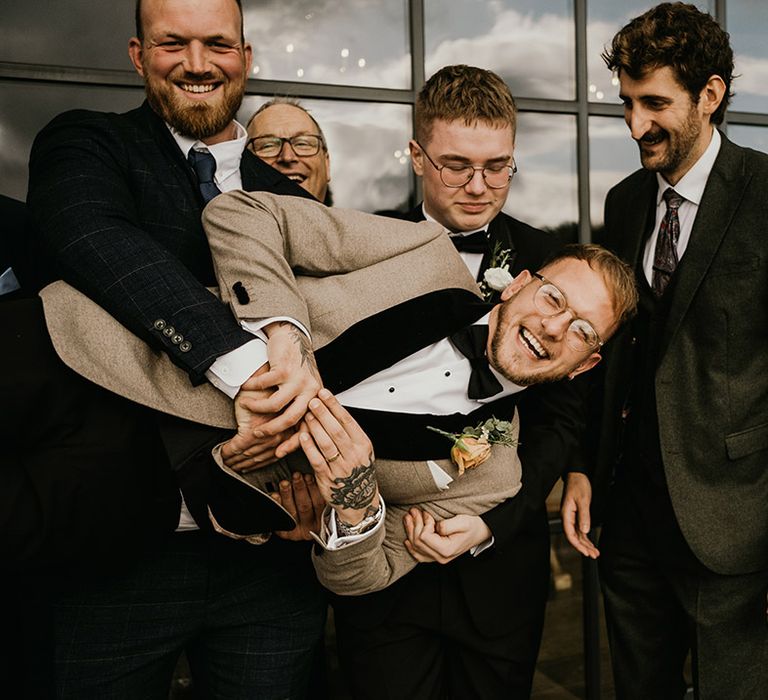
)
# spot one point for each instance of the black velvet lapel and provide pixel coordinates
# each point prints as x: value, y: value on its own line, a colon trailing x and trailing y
x: 380, y: 341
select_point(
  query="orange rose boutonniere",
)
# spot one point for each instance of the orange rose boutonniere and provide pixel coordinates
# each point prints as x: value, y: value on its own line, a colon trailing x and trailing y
x: 472, y: 446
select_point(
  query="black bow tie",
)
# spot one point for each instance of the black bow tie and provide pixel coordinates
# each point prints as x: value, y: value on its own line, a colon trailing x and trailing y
x: 473, y: 243
x: 471, y: 342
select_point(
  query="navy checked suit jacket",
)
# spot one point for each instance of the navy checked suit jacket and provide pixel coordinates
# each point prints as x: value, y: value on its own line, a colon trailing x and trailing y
x: 116, y: 210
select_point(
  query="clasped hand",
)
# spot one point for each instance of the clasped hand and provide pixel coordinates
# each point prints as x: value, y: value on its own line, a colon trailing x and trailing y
x: 273, y: 400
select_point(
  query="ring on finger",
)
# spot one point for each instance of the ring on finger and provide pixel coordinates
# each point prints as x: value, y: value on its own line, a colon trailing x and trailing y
x: 334, y: 458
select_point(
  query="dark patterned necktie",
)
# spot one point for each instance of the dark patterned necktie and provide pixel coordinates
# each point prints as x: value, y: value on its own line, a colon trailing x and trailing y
x: 471, y: 342
x: 473, y: 243
x: 204, y: 165
x: 665, y: 257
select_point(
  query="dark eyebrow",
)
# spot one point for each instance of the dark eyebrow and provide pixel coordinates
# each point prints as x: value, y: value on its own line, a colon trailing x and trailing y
x: 468, y: 161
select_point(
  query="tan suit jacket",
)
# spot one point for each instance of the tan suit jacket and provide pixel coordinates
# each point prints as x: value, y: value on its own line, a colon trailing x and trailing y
x: 328, y: 269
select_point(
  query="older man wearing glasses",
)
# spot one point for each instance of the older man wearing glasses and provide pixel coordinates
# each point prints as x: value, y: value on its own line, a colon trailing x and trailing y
x: 285, y: 135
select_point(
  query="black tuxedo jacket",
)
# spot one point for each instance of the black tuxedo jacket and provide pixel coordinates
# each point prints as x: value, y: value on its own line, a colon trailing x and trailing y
x: 551, y: 416
x: 509, y: 575
x: 711, y: 379
x: 116, y: 210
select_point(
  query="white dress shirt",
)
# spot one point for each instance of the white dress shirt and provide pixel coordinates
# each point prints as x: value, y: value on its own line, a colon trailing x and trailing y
x: 691, y: 187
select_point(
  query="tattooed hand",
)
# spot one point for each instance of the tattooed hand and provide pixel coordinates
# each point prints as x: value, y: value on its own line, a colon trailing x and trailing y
x: 342, y: 458
x: 292, y: 377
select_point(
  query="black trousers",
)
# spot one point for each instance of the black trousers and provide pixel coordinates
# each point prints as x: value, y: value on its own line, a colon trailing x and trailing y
x: 422, y: 637
x: 249, y: 617
x: 661, y: 603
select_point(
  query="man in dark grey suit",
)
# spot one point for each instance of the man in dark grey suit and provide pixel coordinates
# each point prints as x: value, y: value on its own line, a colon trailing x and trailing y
x: 684, y: 425
x: 116, y: 201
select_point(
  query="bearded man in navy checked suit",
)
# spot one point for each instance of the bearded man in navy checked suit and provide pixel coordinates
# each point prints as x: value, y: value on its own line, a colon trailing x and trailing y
x: 116, y: 200
x: 684, y: 427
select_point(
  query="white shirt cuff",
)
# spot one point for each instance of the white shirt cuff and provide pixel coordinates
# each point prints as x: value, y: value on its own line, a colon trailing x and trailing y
x: 255, y: 325
x: 330, y: 538
x: 478, y: 549
x: 230, y: 371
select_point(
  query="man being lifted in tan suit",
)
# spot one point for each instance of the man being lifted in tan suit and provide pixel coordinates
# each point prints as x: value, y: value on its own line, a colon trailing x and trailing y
x: 380, y: 299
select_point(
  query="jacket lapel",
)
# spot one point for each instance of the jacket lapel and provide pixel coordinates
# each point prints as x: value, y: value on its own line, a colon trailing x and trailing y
x: 636, y: 228
x: 260, y: 176
x: 173, y: 161
x: 391, y: 335
x: 722, y: 196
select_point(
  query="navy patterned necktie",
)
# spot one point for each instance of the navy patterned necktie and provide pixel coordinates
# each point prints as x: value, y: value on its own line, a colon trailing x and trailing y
x: 471, y: 342
x: 204, y: 165
x: 665, y: 257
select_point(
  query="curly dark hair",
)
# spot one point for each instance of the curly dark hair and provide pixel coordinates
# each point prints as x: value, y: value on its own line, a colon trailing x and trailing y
x: 680, y: 36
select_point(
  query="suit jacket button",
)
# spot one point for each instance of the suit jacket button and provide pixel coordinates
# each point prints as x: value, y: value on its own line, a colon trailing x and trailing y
x: 185, y: 346
x: 177, y: 338
x: 168, y: 331
x: 159, y: 324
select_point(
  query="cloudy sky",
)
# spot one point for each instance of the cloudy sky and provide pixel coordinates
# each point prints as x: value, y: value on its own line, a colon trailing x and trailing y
x: 530, y: 43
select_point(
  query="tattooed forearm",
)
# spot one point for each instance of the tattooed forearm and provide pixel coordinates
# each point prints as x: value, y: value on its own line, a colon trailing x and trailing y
x: 357, y: 490
x: 305, y: 348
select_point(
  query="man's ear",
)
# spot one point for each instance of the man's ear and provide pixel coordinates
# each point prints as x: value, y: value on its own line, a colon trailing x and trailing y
x: 134, y: 53
x: 248, y: 58
x: 585, y: 365
x: 516, y: 285
x: 712, y: 94
x: 417, y: 158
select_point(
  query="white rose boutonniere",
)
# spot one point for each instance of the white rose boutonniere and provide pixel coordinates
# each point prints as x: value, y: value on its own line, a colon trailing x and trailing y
x: 497, y: 278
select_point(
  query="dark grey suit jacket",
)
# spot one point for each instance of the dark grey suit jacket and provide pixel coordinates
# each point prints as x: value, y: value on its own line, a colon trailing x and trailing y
x: 116, y: 209
x: 712, y: 375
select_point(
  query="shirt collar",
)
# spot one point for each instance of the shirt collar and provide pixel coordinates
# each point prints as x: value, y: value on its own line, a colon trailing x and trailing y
x: 451, y: 233
x: 692, y: 184
x: 226, y: 153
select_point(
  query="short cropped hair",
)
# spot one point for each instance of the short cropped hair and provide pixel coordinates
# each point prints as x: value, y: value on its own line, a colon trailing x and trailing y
x: 463, y: 93
x: 140, y: 27
x: 682, y: 37
x: 618, y: 276
x: 293, y: 102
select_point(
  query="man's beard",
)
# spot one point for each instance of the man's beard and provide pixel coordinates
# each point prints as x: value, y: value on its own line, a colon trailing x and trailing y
x: 680, y: 145
x: 195, y: 120
x: 516, y: 376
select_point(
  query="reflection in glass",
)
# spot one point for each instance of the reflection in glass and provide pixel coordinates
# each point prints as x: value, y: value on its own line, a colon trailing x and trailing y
x: 750, y: 136
x: 368, y: 146
x: 604, y: 19
x: 27, y: 108
x: 79, y: 33
x: 358, y: 42
x: 543, y: 192
x: 746, y: 21
x: 612, y: 156
x: 529, y: 43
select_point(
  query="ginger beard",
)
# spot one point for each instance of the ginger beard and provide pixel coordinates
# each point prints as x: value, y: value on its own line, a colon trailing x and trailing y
x: 508, y: 362
x: 197, y: 119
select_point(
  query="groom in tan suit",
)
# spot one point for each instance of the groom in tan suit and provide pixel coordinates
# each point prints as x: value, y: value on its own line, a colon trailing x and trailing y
x: 370, y: 300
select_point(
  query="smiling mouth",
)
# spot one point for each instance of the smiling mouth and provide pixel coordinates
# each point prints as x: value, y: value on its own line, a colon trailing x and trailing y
x: 653, y: 139
x: 296, y: 177
x: 532, y: 343
x: 197, y: 88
